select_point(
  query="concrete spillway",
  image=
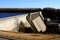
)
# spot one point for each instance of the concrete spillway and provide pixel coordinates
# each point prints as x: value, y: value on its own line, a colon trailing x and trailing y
x: 12, y: 23
x: 9, y: 27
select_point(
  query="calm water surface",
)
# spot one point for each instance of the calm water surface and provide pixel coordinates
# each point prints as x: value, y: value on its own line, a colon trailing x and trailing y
x: 3, y: 15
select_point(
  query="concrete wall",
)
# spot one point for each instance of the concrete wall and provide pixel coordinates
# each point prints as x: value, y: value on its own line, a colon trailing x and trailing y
x: 13, y: 23
x: 8, y: 24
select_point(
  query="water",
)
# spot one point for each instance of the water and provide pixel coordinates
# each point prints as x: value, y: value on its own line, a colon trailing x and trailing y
x: 3, y: 15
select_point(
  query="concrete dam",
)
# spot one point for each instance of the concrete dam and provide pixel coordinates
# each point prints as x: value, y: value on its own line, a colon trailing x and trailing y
x: 29, y: 23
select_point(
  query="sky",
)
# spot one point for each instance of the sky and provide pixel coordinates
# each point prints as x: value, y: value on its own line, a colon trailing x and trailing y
x: 29, y: 3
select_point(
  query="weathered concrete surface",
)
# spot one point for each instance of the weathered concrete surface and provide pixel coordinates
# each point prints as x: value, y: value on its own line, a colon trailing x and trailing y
x: 22, y: 18
x: 36, y: 21
x: 8, y: 24
x: 13, y: 23
x: 39, y: 24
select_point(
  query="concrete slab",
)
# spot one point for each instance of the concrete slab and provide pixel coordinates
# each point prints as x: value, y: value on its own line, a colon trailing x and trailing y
x: 8, y: 24
x: 36, y: 22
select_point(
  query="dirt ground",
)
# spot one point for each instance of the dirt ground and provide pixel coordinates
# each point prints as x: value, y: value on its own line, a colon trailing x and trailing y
x: 28, y: 36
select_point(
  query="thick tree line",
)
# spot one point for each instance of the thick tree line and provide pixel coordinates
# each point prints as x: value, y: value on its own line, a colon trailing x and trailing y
x: 51, y: 12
